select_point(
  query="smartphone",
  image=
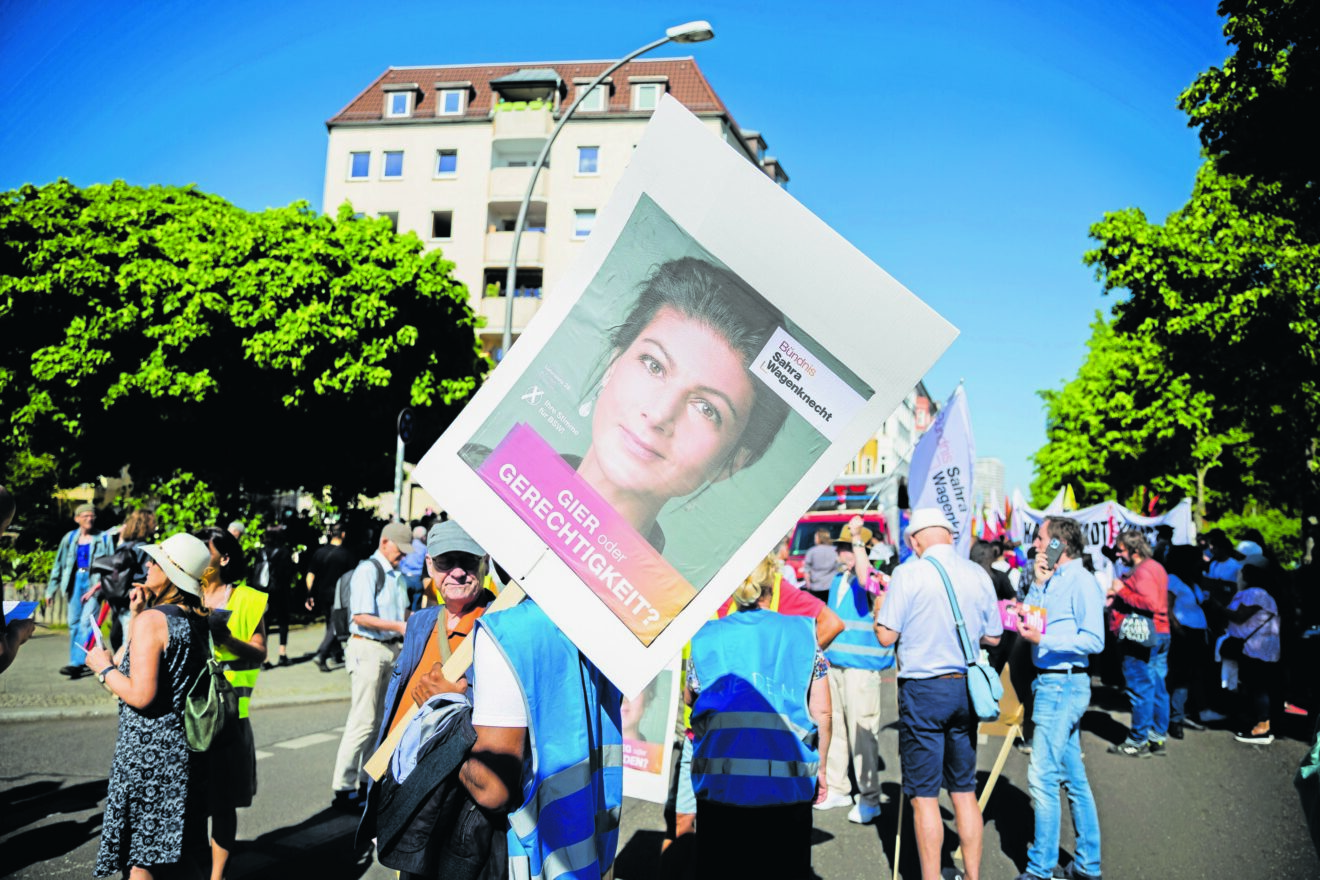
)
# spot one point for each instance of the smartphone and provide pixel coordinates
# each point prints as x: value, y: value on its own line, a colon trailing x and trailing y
x: 1052, y: 553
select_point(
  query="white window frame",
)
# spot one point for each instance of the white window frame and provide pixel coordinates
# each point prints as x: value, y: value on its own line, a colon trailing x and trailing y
x: 579, y: 172
x: 444, y: 175
x: 577, y: 229
x: 594, y: 102
x: 639, y: 88
x: 385, y: 162
x: 431, y: 231
x: 351, y: 175
x: 389, y: 105
x: 440, y: 102
x: 386, y: 214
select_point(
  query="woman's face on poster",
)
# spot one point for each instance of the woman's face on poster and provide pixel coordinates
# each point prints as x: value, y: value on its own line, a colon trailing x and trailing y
x: 672, y: 409
x: 631, y: 712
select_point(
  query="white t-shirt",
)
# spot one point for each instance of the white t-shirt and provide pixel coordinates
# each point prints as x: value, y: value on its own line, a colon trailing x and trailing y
x: 498, y: 700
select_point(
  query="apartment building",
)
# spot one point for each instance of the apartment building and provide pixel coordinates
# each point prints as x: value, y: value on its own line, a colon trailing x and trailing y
x: 447, y: 152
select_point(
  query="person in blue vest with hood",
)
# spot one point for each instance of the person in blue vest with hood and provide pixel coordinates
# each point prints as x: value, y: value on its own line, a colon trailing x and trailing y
x: 760, y: 700
x: 549, y: 744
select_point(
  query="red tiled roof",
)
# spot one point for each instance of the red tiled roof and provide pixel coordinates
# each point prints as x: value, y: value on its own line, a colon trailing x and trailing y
x: 686, y: 83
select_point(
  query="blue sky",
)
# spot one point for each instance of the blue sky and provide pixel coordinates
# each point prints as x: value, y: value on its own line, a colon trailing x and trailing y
x: 966, y: 146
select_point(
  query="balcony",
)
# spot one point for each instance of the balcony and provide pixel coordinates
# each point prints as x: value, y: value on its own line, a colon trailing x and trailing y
x: 524, y: 309
x: 510, y: 184
x: 531, y: 250
x: 531, y: 123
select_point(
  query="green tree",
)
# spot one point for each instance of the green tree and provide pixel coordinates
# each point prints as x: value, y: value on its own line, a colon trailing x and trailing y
x: 167, y: 329
x: 1126, y: 421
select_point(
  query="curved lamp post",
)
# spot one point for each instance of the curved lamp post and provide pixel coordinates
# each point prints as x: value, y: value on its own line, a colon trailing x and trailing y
x: 691, y: 32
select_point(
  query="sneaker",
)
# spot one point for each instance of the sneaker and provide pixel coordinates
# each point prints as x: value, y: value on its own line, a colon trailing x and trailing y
x: 1023, y: 746
x: 1210, y: 716
x: 1176, y: 730
x: 1028, y: 876
x: 1293, y: 709
x: 1192, y: 724
x: 71, y: 671
x: 834, y: 800
x: 1072, y: 872
x: 284, y: 661
x: 1157, y: 749
x: 1130, y: 749
x: 1255, y: 736
x: 863, y: 813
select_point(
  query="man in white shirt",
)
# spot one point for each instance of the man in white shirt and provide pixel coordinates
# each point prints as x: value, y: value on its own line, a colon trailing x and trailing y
x: 378, y: 608
x: 936, y: 727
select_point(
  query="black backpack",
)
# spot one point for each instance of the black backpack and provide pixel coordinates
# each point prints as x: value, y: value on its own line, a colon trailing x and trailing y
x: 117, y: 571
x: 339, y: 616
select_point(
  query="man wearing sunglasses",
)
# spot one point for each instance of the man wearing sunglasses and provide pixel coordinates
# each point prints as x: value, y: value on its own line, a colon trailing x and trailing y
x: 453, y: 561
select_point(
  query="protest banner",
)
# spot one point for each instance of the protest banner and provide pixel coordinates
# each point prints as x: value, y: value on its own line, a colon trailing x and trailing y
x: 682, y: 395
x: 1103, y: 523
x: 942, y: 467
x: 649, y: 721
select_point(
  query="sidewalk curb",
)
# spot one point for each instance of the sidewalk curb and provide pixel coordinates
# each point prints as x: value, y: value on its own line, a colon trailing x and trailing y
x: 111, y: 710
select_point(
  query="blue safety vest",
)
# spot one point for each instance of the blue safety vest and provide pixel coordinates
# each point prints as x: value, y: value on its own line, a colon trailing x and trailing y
x: 856, y: 647
x: 755, y: 740
x: 568, y: 822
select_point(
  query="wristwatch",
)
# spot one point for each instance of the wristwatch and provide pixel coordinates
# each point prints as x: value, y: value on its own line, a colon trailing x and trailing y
x: 104, y: 672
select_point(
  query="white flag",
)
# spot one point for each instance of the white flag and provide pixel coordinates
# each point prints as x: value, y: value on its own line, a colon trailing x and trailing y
x: 941, y: 471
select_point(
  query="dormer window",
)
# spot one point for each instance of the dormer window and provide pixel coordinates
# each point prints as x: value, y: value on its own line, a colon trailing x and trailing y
x: 398, y: 104
x: 399, y: 99
x: 594, y: 101
x: 451, y: 102
x: 645, y: 96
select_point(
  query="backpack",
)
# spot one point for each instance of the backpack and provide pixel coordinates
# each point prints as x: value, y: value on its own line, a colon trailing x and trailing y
x: 117, y: 571
x: 339, y: 616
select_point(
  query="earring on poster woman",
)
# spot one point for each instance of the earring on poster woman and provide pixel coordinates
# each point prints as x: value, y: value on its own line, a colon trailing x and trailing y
x: 585, y: 409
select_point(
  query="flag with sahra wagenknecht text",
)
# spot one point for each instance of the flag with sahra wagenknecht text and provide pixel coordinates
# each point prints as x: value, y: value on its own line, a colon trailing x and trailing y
x: 942, y: 466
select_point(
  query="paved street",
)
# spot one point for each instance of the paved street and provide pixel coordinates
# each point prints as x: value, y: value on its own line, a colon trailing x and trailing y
x: 1213, y: 808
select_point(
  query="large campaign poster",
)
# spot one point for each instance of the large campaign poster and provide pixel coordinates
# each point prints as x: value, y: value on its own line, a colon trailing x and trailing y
x: 713, y: 357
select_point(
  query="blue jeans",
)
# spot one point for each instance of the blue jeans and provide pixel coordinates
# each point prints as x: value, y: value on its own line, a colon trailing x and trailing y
x: 1144, y: 670
x: 82, y: 618
x: 1056, y: 759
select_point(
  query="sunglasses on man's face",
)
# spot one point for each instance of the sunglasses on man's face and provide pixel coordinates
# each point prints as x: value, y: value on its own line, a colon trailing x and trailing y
x: 449, y: 561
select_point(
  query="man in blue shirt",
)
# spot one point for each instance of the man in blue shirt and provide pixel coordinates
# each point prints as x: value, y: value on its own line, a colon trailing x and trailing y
x: 1074, y: 629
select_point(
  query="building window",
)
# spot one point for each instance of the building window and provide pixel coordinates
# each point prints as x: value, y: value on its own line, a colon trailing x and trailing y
x: 393, y: 217
x: 446, y: 163
x: 393, y: 163
x: 442, y: 224
x: 450, y: 102
x: 583, y: 221
x: 646, y: 95
x: 398, y: 104
x: 588, y: 160
x: 359, y: 165
x: 594, y: 102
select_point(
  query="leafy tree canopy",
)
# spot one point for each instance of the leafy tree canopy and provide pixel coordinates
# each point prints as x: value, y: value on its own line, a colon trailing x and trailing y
x: 167, y: 329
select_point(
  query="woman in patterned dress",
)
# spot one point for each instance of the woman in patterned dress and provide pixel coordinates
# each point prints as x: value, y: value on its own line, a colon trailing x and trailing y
x: 155, y: 813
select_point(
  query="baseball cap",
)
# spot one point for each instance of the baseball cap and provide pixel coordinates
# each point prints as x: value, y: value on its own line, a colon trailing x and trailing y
x: 399, y: 533
x: 449, y: 537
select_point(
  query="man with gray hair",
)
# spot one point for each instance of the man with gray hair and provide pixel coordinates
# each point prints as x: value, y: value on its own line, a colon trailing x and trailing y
x: 377, y: 608
x: 72, y: 576
x: 936, y: 726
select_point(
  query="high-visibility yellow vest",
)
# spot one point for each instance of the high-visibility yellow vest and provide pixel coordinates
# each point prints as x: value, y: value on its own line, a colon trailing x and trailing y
x: 246, y: 607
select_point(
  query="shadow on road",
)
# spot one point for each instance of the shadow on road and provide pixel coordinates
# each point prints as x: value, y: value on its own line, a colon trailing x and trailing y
x: 1103, y: 725
x: 321, y: 846
x: 25, y: 804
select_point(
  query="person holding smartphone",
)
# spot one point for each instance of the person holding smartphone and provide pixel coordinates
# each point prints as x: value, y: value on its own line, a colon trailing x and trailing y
x: 1074, y: 618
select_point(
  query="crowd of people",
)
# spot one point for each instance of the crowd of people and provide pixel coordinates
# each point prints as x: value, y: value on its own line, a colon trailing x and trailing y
x: 782, y: 689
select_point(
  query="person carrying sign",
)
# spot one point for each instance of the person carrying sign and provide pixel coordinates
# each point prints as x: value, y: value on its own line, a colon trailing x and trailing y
x: 936, y: 728
x: 549, y: 744
x: 856, y: 661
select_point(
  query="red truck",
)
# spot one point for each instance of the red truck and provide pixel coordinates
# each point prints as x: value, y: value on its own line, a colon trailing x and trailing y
x: 804, y: 533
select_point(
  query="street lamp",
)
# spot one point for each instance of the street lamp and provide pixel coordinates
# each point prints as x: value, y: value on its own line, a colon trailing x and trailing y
x: 690, y: 32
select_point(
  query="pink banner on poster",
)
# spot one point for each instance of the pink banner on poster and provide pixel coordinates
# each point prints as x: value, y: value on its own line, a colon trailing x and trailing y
x: 602, y: 549
x: 643, y: 756
x: 1033, y: 615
